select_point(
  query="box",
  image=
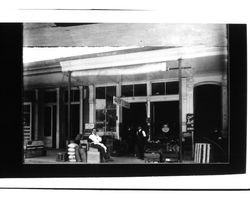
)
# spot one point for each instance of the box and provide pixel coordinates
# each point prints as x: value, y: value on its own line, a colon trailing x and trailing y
x: 61, y: 157
x: 34, y: 149
x: 152, y: 157
x: 34, y: 153
x: 93, y: 157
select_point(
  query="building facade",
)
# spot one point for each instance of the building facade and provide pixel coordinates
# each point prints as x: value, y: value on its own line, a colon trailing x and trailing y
x: 160, y: 84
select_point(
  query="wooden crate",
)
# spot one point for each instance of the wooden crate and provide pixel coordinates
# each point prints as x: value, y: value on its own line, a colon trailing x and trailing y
x: 93, y: 157
x: 152, y: 157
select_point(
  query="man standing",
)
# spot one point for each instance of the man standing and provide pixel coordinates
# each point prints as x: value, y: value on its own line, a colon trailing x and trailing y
x: 140, y: 142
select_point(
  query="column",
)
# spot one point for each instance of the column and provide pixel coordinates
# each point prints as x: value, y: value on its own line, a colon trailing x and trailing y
x: 92, y: 113
x: 118, y: 112
x: 57, y: 117
x: 81, y: 108
x: 184, y: 103
x: 36, y: 128
x: 149, y: 93
x: 224, y: 107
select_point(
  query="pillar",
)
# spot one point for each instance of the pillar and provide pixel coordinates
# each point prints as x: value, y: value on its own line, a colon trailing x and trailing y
x: 81, y: 108
x: 149, y: 93
x: 36, y: 120
x: 224, y: 107
x: 92, y: 111
x: 57, y: 117
x: 118, y: 112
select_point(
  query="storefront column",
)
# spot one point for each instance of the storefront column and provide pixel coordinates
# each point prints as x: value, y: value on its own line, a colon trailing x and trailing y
x: 224, y: 107
x: 180, y: 107
x: 190, y: 97
x: 184, y: 103
x: 81, y: 108
x: 92, y: 117
x: 40, y: 115
x: 149, y: 93
x: 36, y: 115
x: 57, y: 117
x: 118, y: 112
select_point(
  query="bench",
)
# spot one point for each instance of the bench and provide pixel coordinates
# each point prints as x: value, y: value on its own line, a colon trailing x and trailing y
x: 34, y: 149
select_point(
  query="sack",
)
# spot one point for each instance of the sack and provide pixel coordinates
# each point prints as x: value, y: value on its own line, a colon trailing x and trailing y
x: 71, y: 150
x: 78, y: 157
x: 72, y: 157
x: 71, y: 153
x: 72, y: 145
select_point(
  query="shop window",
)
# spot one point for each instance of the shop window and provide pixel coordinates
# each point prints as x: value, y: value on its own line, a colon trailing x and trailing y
x: 165, y: 88
x: 74, y: 95
x: 111, y: 120
x: 100, y: 119
x: 172, y: 87
x: 49, y: 96
x: 158, y: 88
x: 127, y: 90
x: 100, y: 92
x: 105, y: 109
x: 29, y: 96
x: 110, y: 93
x: 140, y: 90
x: 134, y: 90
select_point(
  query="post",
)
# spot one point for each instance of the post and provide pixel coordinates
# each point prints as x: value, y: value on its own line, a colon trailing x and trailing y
x: 81, y: 109
x: 69, y: 89
x: 180, y: 108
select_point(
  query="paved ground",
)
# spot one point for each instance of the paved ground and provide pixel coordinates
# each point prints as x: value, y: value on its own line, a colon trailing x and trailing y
x: 50, y: 158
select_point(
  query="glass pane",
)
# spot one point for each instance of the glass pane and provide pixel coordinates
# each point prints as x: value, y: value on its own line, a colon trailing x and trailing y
x: 100, y: 120
x: 100, y: 92
x: 47, y: 124
x: 50, y: 96
x: 26, y: 120
x: 127, y: 90
x: 26, y: 108
x: 29, y: 96
x: 75, y: 95
x: 158, y: 88
x: 100, y: 115
x: 172, y: 87
x: 140, y: 90
x: 110, y: 93
x: 111, y: 120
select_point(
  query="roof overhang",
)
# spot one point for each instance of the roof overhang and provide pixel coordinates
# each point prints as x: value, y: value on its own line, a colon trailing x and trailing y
x: 112, y: 63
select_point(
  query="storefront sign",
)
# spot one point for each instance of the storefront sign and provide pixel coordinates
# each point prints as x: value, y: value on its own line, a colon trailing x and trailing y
x: 121, y: 102
x: 190, y: 122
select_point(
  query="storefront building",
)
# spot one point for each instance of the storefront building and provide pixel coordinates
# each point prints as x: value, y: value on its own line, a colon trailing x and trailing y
x: 153, y: 86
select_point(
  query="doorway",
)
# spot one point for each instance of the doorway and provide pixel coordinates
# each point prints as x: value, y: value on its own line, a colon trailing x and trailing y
x: 74, y: 120
x: 132, y: 118
x: 162, y: 113
x: 207, y: 111
x: 50, y: 126
x: 135, y: 115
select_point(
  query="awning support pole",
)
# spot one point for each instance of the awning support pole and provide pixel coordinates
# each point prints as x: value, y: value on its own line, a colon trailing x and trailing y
x: 180, y: 108
x: 69, y: 118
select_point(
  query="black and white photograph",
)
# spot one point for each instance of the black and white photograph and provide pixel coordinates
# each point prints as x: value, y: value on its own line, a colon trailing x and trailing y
x: 122, y: 98
x: 125, y: 93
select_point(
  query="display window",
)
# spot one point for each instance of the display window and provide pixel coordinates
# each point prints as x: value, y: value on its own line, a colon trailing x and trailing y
x: 105, y: 109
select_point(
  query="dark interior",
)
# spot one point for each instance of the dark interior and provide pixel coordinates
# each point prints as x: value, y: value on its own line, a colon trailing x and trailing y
x: 165, y: 112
